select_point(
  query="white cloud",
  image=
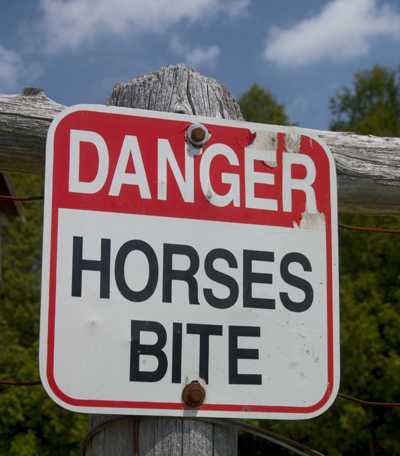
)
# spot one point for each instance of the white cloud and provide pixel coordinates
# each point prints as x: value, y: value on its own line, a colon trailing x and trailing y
x: 13, y: 70
x: 237, y: 8
x: 10, y: 67
x: 206, y: 56
x: 342, y: 30
x: 68, y: 24
x: 195, y: 56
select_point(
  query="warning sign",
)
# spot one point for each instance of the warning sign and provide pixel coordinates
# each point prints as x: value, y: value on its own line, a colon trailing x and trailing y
x: 181, y: 251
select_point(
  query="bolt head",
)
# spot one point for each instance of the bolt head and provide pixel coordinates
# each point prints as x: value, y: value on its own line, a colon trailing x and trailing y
x: 197, y: 135
x: 193, y: 394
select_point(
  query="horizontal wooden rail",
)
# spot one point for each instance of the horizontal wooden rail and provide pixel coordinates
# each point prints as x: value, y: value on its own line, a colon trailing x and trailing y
x: 368, y: 167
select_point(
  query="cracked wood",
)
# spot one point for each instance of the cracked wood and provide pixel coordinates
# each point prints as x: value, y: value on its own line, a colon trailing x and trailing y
x: 368, y: 167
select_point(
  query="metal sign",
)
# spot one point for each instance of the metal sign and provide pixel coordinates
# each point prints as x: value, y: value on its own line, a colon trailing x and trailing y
x: 189, y: 267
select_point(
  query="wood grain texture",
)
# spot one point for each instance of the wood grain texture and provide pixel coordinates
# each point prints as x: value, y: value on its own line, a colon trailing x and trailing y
x: 24, y: 121
x: 177, y: 89
x: 161, y: 437
x: 118, y: 438
x: 158, y: 436
x: 368, y: 167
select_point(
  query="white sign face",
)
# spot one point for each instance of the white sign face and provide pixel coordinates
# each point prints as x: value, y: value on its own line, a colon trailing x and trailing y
x: 164, y: 265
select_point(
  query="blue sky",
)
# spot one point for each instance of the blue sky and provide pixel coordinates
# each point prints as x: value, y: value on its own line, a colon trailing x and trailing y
x: 302, y: 51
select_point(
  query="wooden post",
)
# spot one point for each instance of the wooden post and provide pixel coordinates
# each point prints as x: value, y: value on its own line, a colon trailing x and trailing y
x: 181, y: 90
x: 147, y: 436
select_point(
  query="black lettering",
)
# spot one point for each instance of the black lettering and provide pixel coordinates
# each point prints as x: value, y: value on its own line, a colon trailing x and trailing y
x: 126, y: 291
x: 204, y: 331
x: 236, y: 353
x: 250, y: 277
x: 220, y: 277
x: 187, y: 275
x: 138, y: 350
x: 79, y: 265
x: 176, y: 352
x: 297, y: 282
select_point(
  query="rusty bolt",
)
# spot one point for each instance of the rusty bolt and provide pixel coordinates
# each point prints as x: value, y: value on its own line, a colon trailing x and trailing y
x: 193, y: 394
x: 197, y: 135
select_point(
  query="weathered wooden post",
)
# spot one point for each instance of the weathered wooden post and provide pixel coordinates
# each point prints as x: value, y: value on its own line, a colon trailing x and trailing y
x: 175, y: 89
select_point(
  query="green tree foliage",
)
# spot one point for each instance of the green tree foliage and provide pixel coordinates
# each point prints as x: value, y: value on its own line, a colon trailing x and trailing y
x: 369, y: 299
x: 258, y: 105
x: 370, y: 284
x: 371, y: 105
x: 30, y: 423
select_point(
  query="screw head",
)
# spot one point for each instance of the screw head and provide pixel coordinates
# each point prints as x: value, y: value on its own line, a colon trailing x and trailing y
x: 197, y: 135
x: 193, y: 394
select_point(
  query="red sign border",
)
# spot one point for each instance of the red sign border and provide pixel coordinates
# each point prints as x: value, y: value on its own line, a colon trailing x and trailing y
x: 49, y: 277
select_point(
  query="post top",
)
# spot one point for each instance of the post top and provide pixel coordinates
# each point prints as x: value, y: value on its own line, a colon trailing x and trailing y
x: 179, y: 89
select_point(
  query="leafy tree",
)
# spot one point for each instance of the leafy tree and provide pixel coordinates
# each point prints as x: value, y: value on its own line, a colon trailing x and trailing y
x: 30, y: 423
x: 371, y: 105
x: 370, y: 282
x: 369, y: 299
x: 258, y: 105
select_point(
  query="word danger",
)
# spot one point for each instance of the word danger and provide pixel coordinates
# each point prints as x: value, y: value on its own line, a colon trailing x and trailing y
x: 213, y: 266
x: 185, y: 181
